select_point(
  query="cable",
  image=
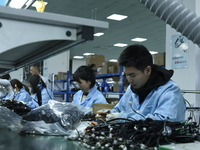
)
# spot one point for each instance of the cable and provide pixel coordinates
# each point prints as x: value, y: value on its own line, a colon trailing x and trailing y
x: 141, y: 134
x: 130, y: 103
x: 39, y: 96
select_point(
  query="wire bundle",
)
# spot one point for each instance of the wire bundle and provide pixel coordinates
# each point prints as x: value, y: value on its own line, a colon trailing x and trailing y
x: 142, y: 134
x: 16, y: 106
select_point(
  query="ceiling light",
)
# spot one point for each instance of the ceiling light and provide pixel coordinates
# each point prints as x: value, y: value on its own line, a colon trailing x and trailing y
x: 113, y: 60
x: 17, y: 4
x: 120, y: 45
x: 117, y: 17
x: 86, y: 54
x: 99, y: 34
x: 139, y: 39
x: 36, y: 3
x: 153, y: 52
x: 78, y: 57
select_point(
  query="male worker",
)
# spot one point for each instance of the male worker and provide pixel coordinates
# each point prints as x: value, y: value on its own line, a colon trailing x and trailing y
x: 34, y: 69
x: 151, y: 93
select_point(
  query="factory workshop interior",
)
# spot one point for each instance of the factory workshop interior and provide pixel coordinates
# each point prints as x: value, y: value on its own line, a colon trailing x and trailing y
x: 61, y: 38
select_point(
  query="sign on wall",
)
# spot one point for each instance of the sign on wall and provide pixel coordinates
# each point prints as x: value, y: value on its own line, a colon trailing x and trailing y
x: 179, y: 51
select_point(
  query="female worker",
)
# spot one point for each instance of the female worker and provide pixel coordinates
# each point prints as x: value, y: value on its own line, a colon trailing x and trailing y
x: 88, y: 93
x: 40, y: 93
x: 21, y: 92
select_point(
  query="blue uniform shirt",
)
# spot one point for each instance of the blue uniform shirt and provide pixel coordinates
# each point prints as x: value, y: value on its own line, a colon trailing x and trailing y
x: 47, y: 95
x: 23, y: 96
x: 94, y: 96
x: 164, y: 102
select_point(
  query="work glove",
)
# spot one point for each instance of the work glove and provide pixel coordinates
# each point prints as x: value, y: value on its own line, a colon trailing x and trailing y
x: 111, y: 116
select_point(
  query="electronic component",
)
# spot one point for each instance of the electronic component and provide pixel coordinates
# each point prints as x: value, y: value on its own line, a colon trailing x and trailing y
x: 142, y: 134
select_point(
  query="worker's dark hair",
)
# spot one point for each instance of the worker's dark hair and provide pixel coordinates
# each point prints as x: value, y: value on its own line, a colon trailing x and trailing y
x: 85, y: 73
x: 20, y: 85
x: 6, y: 76
x: 136, y: 56
x: 34, y: 81
x: 37, y: 84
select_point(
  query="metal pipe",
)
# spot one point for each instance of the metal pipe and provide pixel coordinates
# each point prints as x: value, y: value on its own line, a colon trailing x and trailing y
x: 177, y: 16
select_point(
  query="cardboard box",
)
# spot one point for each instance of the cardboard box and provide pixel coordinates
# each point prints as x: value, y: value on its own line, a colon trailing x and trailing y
x: 116, y: 79
x: 55, y: 77
x: 113, y: 69
x: 116, y: 87
x: 95, y: 59
x: 159, y: 59
x: 106, y: 65
x: 98, y: 106
x: 62, y: 75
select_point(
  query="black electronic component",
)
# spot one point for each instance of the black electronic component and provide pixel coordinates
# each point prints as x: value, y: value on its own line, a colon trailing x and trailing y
x: 142, y: 134
x: 16, y: 106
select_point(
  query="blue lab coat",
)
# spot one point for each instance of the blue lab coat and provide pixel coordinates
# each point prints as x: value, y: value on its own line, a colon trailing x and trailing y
x: 164, y: 102
x: 47, y: 95
x: 23, y: 96
x: 94, y: 96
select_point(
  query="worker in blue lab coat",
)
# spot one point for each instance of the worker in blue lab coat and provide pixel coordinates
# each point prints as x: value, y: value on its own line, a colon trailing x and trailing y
x: 21, y: 91
x: 151, y: 93
x: 40, y: 93
x: 6, y: 91
x: 88, y: 93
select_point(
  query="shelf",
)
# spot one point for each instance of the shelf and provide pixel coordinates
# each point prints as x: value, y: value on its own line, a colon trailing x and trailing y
x: 57, y: 92
x: 70, y: 81
x: 107, y: 75
x: 63, y: 80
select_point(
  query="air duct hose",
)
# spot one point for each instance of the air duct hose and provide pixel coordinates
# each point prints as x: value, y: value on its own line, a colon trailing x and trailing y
x: 177, y: 16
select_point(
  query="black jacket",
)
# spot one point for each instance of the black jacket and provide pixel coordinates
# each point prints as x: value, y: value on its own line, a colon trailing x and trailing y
x: 159, y: 76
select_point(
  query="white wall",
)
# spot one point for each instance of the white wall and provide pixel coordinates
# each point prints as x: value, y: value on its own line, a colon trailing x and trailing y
x: 58, y: 63
x: 187, y: 78
x: 18, y: 74
x: 76, y: 64
x: 55, y: 64
x: 184, y: 77
x: 197, y: 66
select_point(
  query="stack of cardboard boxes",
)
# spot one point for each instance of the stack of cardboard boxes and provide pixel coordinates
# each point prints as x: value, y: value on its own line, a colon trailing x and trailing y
x: 109, y: 67
x: 159, y: 59
x: 102, y: 66
x: 97, y: 60
x: 60, y: 75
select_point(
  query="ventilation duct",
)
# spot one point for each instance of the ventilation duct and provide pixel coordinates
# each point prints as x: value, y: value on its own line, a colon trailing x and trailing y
x: 177, y: 16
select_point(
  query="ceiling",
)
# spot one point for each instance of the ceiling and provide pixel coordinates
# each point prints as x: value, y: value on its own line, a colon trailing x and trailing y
x: 141, y: 22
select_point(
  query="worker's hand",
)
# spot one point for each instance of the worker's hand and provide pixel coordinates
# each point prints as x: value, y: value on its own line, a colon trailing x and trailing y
x: 111, y: 116
x: 102, y: 114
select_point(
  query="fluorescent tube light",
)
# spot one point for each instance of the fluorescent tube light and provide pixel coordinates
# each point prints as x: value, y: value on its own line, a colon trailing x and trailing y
x: 139, y: 39
x: 113, y: 60
x: 36, y: 3
x: 78, y: 57
x: 153, y: 52
x: 86, y: 54
x: 99, y: 34
x: 116, y: 17
x: 120, y: 44
x: 17, y: 3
